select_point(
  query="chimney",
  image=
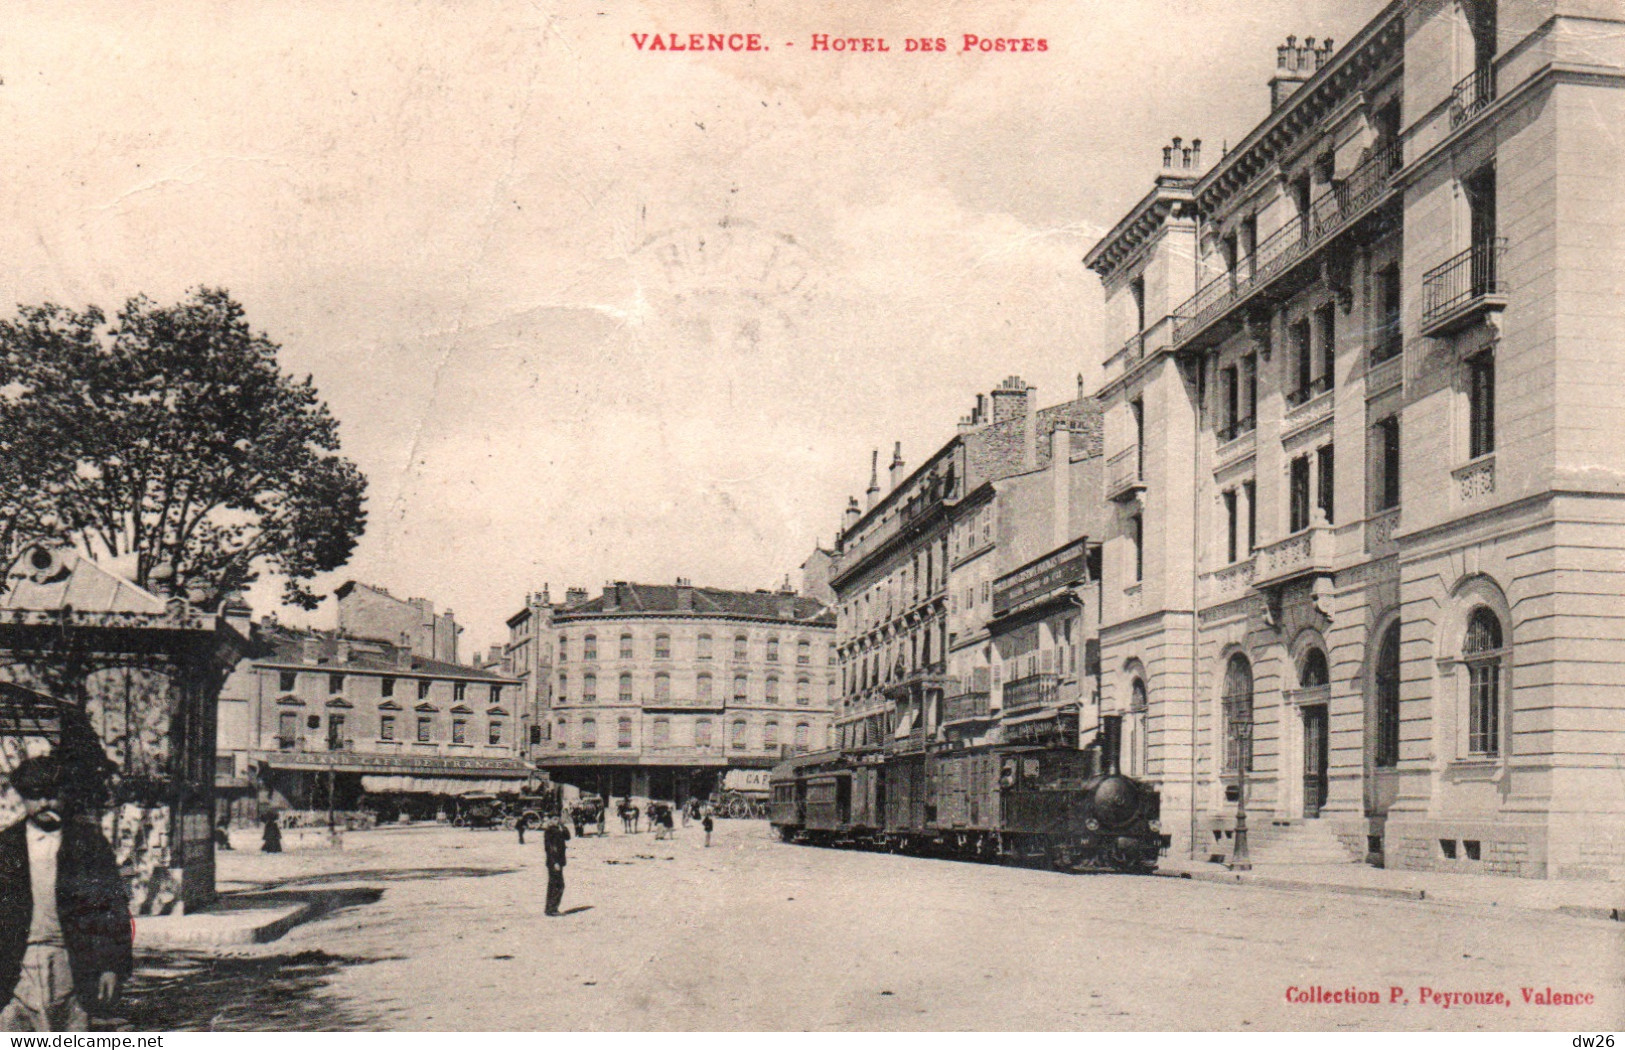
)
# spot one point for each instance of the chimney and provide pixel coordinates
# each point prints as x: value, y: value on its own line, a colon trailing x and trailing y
x: 1181, y: 159
x: 897, y: 465
x: 574, y: 596
x: 786, y: 588
x: 853, y: 513
x: 236, y: 612
x: 341, y: 651
x: 612, y: 596
x: 1010, y: 400
x: 1294, y: 65
x: 1060, y: 467
x: 545, y: 598
x: 310, y: 649
x: 685, y: 594
x: 873, y: 492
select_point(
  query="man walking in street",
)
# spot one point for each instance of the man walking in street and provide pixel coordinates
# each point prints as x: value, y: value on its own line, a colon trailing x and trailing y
x: 707, y: 824
x: 64, y: 911
x: 520, y: 824
x: 553, y: 839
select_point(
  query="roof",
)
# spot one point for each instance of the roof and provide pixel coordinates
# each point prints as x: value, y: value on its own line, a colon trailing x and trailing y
x: 53, y: 579
x: 635, y: 598
x: 288, y: 649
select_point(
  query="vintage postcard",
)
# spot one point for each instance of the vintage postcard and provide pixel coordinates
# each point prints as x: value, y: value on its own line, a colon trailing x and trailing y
x: 760, y: 516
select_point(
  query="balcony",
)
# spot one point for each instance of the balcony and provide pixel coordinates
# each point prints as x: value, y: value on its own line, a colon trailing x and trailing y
x: 1379, y: 532
x: 966, y: 707
x: 1337, y: 209
x: 1035, y: 690
x: 1457, y: 293
x: 1472, y: 96
x: 1123, y: 480
x: 1306, y: 553
x: 1237, y: 428
x: 336, y: 744
x: 1305, y: 394
x: 287, y: 743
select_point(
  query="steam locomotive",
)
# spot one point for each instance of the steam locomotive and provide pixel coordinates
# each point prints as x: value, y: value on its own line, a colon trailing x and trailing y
x: 1063, y: 807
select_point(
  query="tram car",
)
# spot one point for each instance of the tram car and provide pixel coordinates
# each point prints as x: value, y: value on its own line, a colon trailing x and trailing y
x: 997, y: 802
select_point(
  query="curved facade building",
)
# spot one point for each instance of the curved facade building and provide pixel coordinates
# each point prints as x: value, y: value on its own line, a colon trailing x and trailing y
x: 657, y: 690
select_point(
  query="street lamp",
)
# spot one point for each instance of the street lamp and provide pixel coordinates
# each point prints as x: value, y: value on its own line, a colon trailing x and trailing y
x: 1239, y: 858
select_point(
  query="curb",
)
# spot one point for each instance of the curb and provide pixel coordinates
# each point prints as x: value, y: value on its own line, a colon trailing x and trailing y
x: 174, y: 932
x: 1232, y: 878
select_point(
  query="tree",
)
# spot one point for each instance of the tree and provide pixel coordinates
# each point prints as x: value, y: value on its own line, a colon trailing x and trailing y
x: 171, y: 436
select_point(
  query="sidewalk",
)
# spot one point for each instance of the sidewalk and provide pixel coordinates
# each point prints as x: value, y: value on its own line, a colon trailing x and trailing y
x: 1596, y: 900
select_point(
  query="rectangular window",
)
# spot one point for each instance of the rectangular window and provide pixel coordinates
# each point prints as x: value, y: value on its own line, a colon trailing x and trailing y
x: 1326, y: 321
x: 335, y: 683
x: 1389, y: 335
x: 335, y: 732
x: 494, y: 737
x: 662, y: 647
x: 386, y: 686
x: 1484, y: 701
x: 702, y: 733
x: 623, y: 733
x: 1303, y: 359
x: 287, y: 681
x: 1137, y: 408
x: 287, y: 727
x: 1249, y: 492
x: 423, y: 689
x: 459, y: 731
x: 459, y: 691
x: 1298, y: 491
x: 1327, y: 492
x: 1136, y: 535
x: 1249, y: 394
x: 1481, y: 404
x: 1231, y: 525
x: 496, y: 694
x: 424, y: 723
x: 386, y: 727
x: 1230, y: 403
x: 1385, y: 436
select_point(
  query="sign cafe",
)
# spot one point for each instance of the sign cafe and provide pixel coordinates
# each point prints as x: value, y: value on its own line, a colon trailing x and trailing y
x: 1068, y: 564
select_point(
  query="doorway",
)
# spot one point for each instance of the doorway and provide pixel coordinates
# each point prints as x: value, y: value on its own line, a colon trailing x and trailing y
x: 1315, y: 747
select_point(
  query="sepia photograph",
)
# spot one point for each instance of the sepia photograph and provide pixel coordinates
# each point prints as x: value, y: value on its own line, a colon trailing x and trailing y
x: 731, y: 516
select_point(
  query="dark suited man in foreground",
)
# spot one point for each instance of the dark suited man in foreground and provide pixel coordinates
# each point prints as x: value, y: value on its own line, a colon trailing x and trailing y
x: 64, y: 910
x: 553, y: 839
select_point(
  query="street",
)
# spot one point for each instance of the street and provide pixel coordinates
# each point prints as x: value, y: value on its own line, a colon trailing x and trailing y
x: 442, y: 929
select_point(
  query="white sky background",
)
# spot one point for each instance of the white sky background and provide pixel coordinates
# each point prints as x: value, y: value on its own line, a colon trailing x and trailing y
x: 586, y: 313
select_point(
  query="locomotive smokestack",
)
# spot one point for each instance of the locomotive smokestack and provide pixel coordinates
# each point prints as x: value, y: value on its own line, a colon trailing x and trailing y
x: 1111, y: 744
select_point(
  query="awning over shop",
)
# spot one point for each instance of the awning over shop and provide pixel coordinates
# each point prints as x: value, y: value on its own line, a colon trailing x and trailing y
x: 454, y: 767
x: 435, y: 785
x: 1037, y: 715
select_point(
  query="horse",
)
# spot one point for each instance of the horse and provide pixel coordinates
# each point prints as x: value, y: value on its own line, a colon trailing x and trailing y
x: 629, y: 815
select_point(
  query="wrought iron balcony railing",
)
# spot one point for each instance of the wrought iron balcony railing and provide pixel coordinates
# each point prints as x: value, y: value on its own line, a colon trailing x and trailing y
x: 1472, y: 95
x: 1033, y: 691
x: 1453, y: 291
x: 965, y: 706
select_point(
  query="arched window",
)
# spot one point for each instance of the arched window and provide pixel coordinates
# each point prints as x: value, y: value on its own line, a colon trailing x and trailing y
x: 662, y: 646
x: 1238, y: 715
x: 741, y: 688
x: 702, y: 647
x: 772, y: 689
x: 626, y: 645
x: 773, y: 648
x: 702, y: 688
x: 623, y: 732
x: 1136, y: 696
x: 770, y: 734
x: 662, y: 688
x: 737, y: 737
x: 804, y: 652
x: 702, y: 733
x: 803, y: 736
x: 662, y: 732
x: 1387, y: 752
x: 625, y: 691
x: 741, y: 647
x: 589, y: 688
x: 1481, y: 652
x: 1312, y: 671
x: 803, y: 691
x: 589, y: 647
x: 589, y: 733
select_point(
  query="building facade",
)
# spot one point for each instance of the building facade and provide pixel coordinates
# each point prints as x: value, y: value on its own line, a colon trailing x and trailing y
x: 1369, y: 519
x: 914, y: 574
x: 659, y: 690
x: 372, y: 613
x: 319, y: 721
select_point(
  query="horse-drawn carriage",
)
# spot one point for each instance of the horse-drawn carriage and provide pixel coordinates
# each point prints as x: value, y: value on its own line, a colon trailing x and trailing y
x: 505, y: 810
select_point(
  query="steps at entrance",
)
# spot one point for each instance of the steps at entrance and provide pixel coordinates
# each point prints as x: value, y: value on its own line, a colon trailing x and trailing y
x: 1301, y: 842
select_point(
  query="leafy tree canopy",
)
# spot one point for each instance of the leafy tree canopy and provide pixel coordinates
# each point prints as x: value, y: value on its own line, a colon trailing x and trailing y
x: 171, y: 436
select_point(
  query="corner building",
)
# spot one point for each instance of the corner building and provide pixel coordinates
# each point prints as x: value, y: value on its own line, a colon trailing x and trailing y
x: 658, y: 690
x: 1369, y: 541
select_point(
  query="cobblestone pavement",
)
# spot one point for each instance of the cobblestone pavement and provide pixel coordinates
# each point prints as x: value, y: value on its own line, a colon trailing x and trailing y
x: 438, y: 928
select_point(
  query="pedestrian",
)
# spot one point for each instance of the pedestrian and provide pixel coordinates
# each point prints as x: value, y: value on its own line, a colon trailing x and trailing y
x: 707, y: 825
x: 554, y: 836
x: 271, y: 842
x: 577, y: 817
x: 520, y: 824
x: 603, y: 813
x: 222, y: 834
x: 687, y: 807
x: 64, y: 913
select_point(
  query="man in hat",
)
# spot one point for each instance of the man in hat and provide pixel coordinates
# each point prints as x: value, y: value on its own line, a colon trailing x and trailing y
x: 553, y: 839
x: 64, y: 911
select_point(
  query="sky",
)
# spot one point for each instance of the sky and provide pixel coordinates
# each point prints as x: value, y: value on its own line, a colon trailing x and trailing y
x: 587, y: 312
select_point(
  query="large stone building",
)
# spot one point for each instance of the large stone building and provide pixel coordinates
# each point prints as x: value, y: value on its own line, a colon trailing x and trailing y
x: 915, y: 573
x: 318, y: 720
x: 366, y: 611
x: 657, y: 690
x: 1362, y: 428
